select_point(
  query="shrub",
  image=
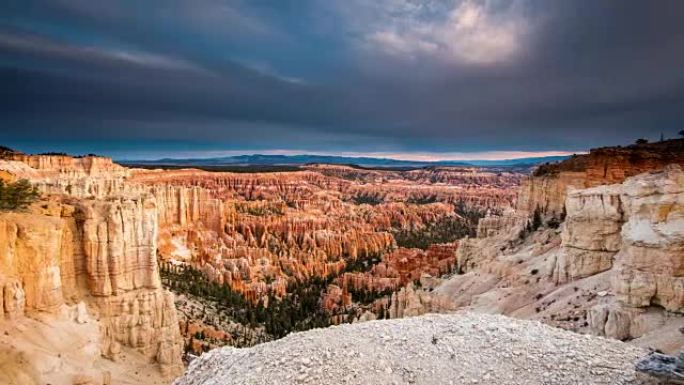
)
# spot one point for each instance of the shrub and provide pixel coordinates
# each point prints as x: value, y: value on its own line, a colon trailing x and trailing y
x: 17, y: 195
x: 444, y: 230
x: 422, y: 200
x: 366, y: 198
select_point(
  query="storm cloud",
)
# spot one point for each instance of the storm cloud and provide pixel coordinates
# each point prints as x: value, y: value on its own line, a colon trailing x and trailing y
x: 396, y: 76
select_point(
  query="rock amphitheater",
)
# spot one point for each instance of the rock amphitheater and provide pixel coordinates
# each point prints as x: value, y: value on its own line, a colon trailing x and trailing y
x: 593, y: 245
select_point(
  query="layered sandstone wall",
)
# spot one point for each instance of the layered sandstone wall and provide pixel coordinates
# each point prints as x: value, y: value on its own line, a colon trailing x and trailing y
x: 65, y: 252
x: 616, y: 264
x: 650, y: 265
x: 613, y: 267
x: 409, y: 302
x: 31, y: 248
x: 85, y: 177
x: 547, y: 188
x: 119, y: 241
x: 547, y: 192
x: 646, y: 273
x: 507, y: 223
x: 591, y: 233
x: 636, y: 229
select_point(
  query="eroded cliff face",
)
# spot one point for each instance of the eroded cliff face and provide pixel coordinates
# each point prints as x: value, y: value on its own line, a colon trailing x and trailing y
x: 79, y: 261
x: 84, y: 177
x: 653, y: 239
x: 647, y: 270
x: 591, y: 233
x: 547, y: 188
x: 635, y: 229
x: 613, y: 267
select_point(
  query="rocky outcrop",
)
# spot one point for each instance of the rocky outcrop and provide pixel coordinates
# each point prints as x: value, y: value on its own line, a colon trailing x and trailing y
x: 546, y: 189
x: 634, y: 230
x: 119, y: 240
x: 508, y: 224
x: 409, y: 302
x: 650, y: 265
x: 612, y: 268
x: 12, y: 298
x: 591, y: 233
x: 83, y: 177
x: 184, y: 207
x: 68, y: 252
x: 547, y: 192
x: 144, y: 320
x: 31, y: 248
x: 666, y: 368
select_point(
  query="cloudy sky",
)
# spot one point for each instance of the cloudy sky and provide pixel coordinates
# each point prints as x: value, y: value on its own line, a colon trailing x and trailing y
x: 411, y: 78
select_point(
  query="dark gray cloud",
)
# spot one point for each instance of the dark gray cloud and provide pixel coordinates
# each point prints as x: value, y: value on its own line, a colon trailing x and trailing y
x: 388, y: 75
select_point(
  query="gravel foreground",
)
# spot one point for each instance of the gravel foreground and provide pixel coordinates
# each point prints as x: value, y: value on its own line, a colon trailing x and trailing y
x: 461, y: 348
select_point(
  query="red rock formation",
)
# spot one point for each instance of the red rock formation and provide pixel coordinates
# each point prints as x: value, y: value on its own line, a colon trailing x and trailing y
x: 275, y: 227
x: 396, y: 270
x: 403, y: 266
x: 548, y: 186
x: 255, y: 232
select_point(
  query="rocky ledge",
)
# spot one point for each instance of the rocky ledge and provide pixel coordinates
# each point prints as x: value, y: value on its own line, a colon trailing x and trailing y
x: 461, y: 348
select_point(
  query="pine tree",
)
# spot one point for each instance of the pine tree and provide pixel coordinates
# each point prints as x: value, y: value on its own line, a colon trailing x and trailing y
x: 17, y: 195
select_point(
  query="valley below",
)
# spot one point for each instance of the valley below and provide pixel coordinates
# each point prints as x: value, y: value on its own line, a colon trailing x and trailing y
x: 124, y: 275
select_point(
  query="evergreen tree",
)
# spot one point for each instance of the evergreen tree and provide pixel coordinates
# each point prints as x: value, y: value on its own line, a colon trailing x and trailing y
x: 17, y: 195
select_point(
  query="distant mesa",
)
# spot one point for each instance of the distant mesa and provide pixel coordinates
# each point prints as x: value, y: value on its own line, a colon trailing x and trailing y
x: 301, y: 160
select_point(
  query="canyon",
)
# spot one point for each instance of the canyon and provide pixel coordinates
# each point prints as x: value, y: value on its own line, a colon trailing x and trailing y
x: 595, y: 245
x: 92, y: 259
x: 116, y: 274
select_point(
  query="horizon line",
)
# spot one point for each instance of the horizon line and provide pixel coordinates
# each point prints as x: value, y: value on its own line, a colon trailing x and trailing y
x: 433, y: 157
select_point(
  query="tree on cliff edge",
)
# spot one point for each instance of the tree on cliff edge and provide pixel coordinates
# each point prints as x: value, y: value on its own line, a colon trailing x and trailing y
x: 17, y: 195
x: 681, y: 133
